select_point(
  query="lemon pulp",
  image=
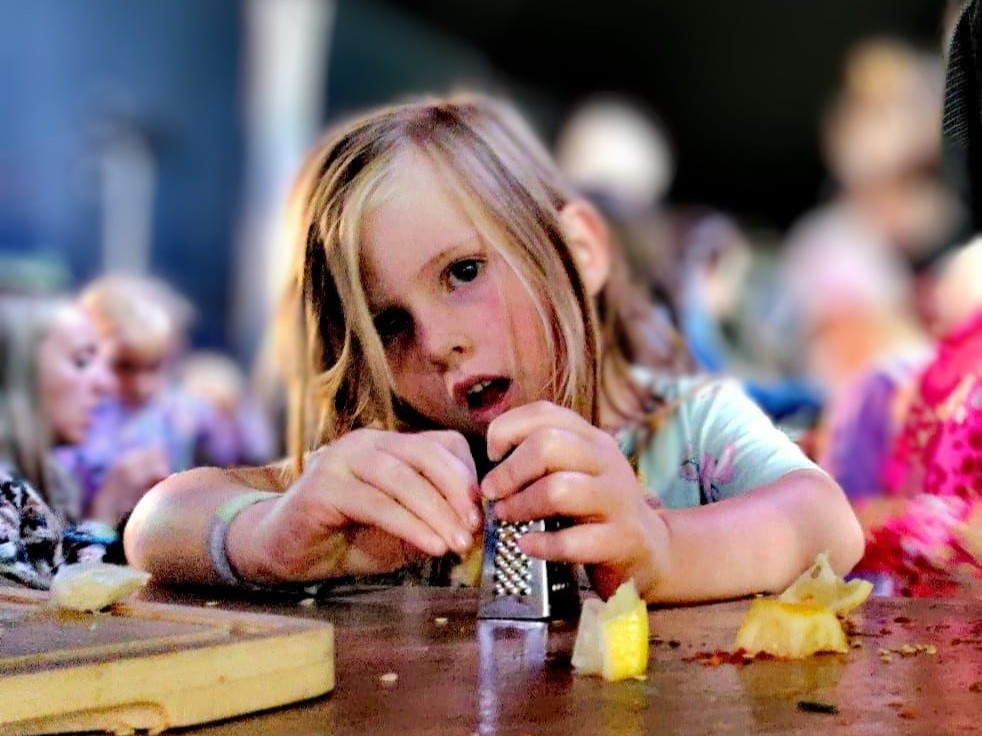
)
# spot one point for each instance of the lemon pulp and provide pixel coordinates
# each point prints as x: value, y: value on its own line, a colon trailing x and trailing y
x: 612, y: 637
x: 793, y: 630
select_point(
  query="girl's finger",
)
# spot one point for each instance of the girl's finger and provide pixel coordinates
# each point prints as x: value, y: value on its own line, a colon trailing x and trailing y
x: 455, y: 443
x: 367, y: 505
x: 404, y: 483
x: 547, y: 450
x: 437, y: 457
x: 563, y: 493
x: 582, y: 544
x: 513, y: 427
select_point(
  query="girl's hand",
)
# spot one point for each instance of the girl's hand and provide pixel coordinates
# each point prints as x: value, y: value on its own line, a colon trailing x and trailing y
x: 563, y: 466
x: 396, y: 495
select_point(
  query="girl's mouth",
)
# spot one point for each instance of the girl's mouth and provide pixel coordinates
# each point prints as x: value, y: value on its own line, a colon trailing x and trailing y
x: 485, y: 396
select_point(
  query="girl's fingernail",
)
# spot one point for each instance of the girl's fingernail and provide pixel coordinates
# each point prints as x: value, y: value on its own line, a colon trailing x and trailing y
x: 474, y: 519
x: 462, y: 541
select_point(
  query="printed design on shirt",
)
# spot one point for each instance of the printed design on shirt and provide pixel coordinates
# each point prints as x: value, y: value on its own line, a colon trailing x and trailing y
x: 30, y: 536
x: 34, y: 541
x: 711, y: 473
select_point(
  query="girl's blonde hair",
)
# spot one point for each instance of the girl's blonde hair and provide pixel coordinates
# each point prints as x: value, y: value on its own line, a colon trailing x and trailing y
x: 505, y: 181
x: 25, y: 438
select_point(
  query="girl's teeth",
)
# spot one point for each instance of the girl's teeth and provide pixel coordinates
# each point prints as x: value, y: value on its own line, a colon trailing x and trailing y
x: 477, y: 388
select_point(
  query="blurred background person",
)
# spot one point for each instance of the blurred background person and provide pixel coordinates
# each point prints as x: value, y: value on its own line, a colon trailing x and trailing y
x: 693, y: 261
x: 924, y: 528
x: 239, y: 431
x: 153, y: 426
x: 847, y: 265
x: 53, y: 373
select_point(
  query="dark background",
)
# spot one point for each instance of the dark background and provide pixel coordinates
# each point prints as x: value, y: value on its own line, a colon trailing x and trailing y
x: 740, y: 86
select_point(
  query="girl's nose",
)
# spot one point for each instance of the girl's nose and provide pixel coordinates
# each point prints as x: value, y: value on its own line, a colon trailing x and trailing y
x: 443, y: 339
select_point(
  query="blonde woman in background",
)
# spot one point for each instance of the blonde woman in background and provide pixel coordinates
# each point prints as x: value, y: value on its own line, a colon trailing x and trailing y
x: 52, y: 375
x: 154, y: 425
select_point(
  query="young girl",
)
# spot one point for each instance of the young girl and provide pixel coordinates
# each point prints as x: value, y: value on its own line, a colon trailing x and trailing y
x: 457, y: 306
x: 52, y: 374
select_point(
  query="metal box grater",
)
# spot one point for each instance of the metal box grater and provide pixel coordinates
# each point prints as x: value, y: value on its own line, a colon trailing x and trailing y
x: 515, y: 586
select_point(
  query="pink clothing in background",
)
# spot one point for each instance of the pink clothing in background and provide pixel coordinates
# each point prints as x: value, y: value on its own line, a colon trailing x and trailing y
x: 937, y: 463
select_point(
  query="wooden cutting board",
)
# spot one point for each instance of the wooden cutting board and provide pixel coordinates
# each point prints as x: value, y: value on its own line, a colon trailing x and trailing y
x: 150, y: 666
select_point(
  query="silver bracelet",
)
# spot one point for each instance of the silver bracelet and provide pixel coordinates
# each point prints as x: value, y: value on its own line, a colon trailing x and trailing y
x: 218, y: 537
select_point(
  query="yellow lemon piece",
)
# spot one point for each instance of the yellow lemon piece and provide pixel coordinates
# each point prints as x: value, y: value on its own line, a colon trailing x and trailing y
x: 467, y: 572
x: 792, y: 630
x: 586, y: 649
x: 91, y: 586
x: 820, y: 586
x: 612, y: 637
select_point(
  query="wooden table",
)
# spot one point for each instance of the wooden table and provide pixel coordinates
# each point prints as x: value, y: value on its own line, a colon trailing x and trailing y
x: 460, y: 676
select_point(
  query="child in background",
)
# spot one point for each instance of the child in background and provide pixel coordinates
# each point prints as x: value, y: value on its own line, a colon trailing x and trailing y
x: 462, y: 317
x: 149, y: 429
x: 695, y: 262
x: 239, y: 433
x: 52, y: 375
x: 925, y: 536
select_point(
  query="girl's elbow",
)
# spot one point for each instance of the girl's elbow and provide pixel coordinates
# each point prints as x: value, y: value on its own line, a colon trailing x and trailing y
x: 846, y: 538
x: 853, y: 544
x: 135, y: 545
x: 138, y: 534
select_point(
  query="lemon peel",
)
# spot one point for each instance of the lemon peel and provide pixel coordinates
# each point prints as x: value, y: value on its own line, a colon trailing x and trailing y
x: 792, y: 630
x: 612, y: 637
x: 805, y: 618
x: 91, y: 585
x: 820, y: 586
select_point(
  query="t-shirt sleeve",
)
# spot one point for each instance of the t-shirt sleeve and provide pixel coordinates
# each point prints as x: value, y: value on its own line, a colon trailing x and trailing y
x: 731, y: 445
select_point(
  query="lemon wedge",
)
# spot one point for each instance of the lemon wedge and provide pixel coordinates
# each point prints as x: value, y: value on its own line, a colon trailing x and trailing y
x: 792, y: 630
x: 91, y: 586
x: 612, y: 637
x: 820, y: 586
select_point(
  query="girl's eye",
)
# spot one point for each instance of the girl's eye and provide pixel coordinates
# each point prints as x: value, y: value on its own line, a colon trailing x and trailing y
x: 391, y: 323
x: 464, y: 271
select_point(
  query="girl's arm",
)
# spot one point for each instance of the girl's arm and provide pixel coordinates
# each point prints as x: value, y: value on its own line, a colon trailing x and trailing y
x: 167, y: 533
x: 757, y: 541
x: 365, y: 503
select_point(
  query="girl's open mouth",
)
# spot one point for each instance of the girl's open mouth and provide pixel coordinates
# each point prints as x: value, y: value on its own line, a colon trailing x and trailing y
x: 484, y: 397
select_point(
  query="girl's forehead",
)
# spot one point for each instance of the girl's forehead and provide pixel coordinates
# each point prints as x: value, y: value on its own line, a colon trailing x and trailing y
x: 415, y: 209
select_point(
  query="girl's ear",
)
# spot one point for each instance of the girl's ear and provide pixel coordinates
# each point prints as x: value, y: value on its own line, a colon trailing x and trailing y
x: 586, y: 232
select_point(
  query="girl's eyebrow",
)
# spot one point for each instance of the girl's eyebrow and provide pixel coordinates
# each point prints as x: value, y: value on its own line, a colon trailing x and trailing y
x: 441, y: 254
x: 450, y: 248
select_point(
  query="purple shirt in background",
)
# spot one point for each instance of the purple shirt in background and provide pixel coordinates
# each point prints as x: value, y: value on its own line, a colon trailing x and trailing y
x: 188, y: 429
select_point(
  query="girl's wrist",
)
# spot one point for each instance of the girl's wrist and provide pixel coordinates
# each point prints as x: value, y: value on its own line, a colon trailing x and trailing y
x: 657, y: 554
x: 231, y: 539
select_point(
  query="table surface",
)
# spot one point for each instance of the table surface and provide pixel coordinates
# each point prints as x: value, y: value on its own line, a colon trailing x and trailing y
x: 457, y: 675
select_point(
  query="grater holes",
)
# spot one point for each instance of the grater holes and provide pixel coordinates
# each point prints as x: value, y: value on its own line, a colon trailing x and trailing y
x: 512, y: 568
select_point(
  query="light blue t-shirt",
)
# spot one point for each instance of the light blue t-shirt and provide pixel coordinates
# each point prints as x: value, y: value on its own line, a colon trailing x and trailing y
x: 714, y: 443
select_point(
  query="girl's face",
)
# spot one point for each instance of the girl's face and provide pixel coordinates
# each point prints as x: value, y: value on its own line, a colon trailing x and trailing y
x: 463, y: 339
x: 72, y: 375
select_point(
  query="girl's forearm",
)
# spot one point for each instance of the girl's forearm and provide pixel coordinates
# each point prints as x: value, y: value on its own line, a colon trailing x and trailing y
x: 168, y: 532
x: 758, y: 542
